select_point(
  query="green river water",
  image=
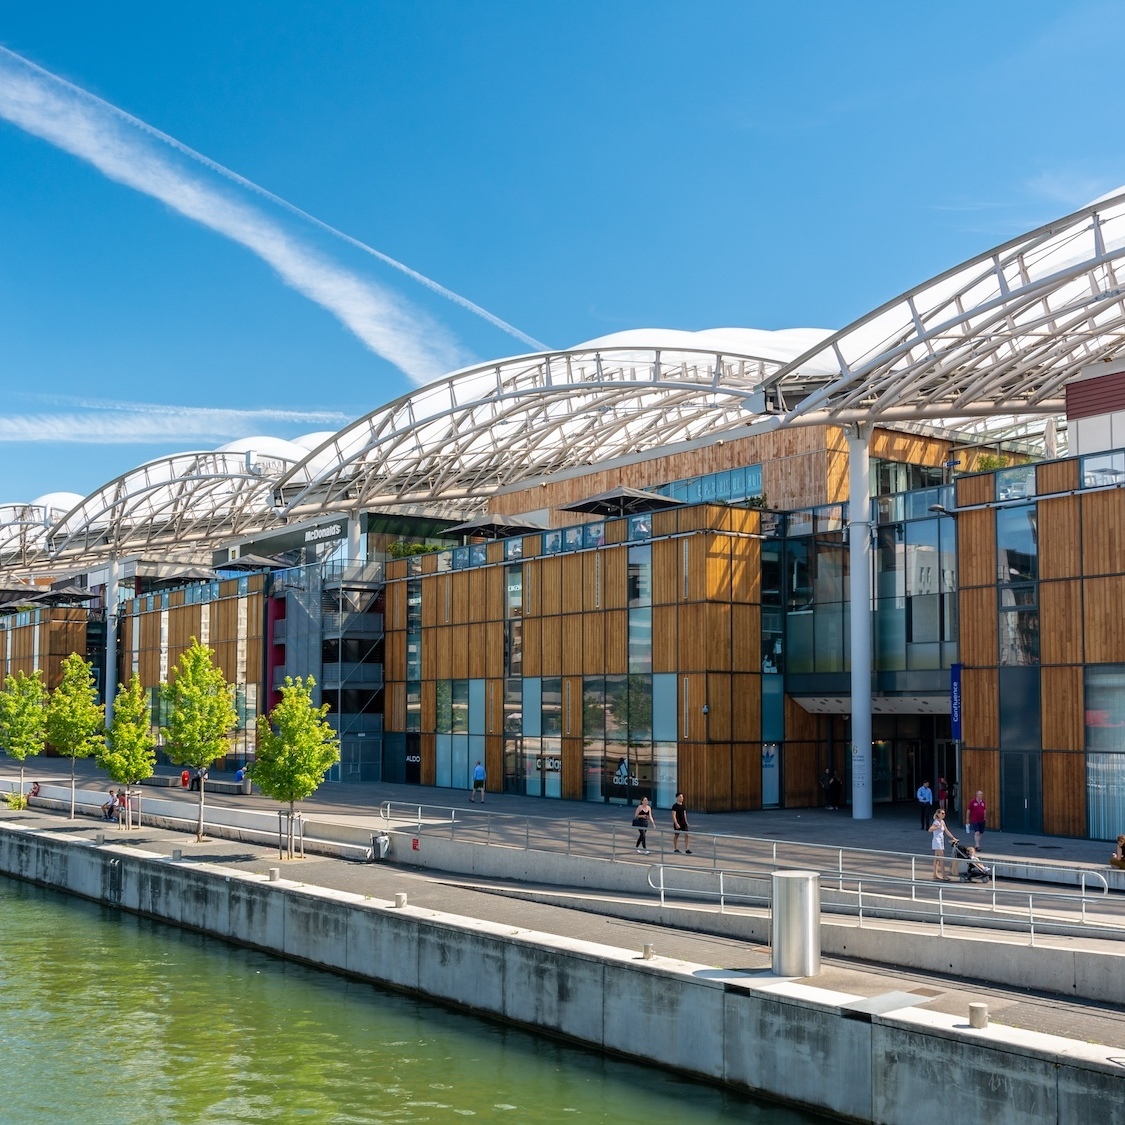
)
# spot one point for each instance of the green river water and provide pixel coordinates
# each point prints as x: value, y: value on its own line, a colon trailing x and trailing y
x: 105, y: 1017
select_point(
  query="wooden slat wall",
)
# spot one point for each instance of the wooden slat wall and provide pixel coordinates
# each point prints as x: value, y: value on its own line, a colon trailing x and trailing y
x: 494, y: 649
x: 1059, y: 538
x: 572, y: 706
x: 572, y: 585
x: 666, y: 584
x: 718, y: 725
x: 746, y: 567
x: 495, y: 593
x: 593, y: 644
x: 551, y: 659
x: 980, y: 691
x: 1064, y: 794
x: 746, y: 708
x: 664, y: 638
x: 746, y: 775
x: 1103, y: 531
x: 459, y: 651
x: 1104, y: 620
x: 980, y: 769
x: 494, y: 710
x: 1057, y: 476
x: 551, y: 575
x: 1063, y: 709
x: 976, y: 547
x: 1060, y: 622
x: 801, y: 769
x: 719, y: 567
x: 616, y: 642
x: 977, y: 612
x: 494, y: 763
x: 693, y: 647
x: 395, y: 706
x: 591, y: 581
x: 428, y: 751
x: 571, y: 644
x: 396, y: 605
x: 429, y: 705
x: 533, y: 646
x: 615, y: 572
x: 978, y: 489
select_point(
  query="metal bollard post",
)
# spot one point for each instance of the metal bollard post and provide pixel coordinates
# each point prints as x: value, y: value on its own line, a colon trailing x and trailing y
x: 400, y: 899
x: 275, y: 874
x: 647, y: 950
x: 978, y: 1015
x: 177, y: 855
x: 796, y: 923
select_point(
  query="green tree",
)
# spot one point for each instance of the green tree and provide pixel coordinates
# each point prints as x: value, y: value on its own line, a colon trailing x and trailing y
x: 22, y: 717
x: 201, y: 714
x: 128, y: 754
x: 296, y: 747
x: 75, y: 720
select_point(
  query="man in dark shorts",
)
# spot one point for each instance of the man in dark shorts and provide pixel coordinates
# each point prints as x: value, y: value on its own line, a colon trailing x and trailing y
x: 680, y: 824
x: 478, y: 783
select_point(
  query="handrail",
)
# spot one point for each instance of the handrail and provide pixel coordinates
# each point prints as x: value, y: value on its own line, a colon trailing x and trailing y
x: 838, y: 862
x: 1032, y: 915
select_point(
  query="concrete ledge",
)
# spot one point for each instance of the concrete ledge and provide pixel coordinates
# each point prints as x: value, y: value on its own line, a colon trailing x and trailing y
x: 788, y: 1040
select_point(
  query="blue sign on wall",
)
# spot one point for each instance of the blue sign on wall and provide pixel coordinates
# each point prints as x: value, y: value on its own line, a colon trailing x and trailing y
x: 955, y: 701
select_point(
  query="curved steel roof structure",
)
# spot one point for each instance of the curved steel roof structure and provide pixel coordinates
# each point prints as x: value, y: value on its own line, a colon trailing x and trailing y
x: 982, y: 351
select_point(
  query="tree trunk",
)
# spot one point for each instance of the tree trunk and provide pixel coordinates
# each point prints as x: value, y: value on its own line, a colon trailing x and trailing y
x: 72, y: 787
x: 199, y: 832
x: 290, y: 829
x: 21, y: 780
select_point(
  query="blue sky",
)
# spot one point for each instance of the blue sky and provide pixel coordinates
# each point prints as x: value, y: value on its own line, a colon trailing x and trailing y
x: 574, y: 168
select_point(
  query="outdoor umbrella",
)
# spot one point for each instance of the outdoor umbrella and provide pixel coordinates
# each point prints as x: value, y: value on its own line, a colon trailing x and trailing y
x: 492, y: 526
x: 622, y: 501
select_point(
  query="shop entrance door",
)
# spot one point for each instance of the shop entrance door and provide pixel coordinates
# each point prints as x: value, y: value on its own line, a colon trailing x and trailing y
x: 1021, y: 791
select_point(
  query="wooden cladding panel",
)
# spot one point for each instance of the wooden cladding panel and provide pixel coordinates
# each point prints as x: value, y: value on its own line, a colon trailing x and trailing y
x: 593, y: 643
x: 478, y: 593
x: 693, y: 637
x: 494, y: 552
x: 395, y: 697
x: 532, y: 646
x: 718, y: 760
x: 746, y: 638
x: 476, y: 642
x: 572, y: 584
x: 615, y: 573
x: 433, y: 601
x: 1059, y: 539
x: 1057, y: 476
x: 977, y: 614
x: 460, y: 599
x: 981, y: 707
x: 429, y: 705
x: 1060, y: 617
x: 396, y: 605
x: 551, y: 658
x: 616, y: 642
x: 691, y: 774
x: 693, y: 568
x: 980, y: 770
x: 718, y: 725
x: 746, y: 708
x: 428, y: 754
x: 800, y: 725
x: 665, y: 571
x: 429, y: 563
x: 495, y: 594
x: 704, y: 775
x: 801, y: 770
x: 746, y: 569
x: 533, y: 588
x: 693, y: 695
x: 1064, y: 794
x: 1103, y: 531
x: 616, y: 531
x: 494, y: 763
x: 429, y: 645
x: 459, y: 648
x: 1103, y: 599
x: 665, y: 522
x: 746, y: 775
x: 1063, y: 709
x: 494, y: 649
x: 396, y: 568
x: 550, y: 570
x: 664, y: 643
x: 444, y: 653
x: 571, y: 664
x: 572, y: 706
x: 531, y: 545
x: 718, y: 567
x: 494, y: 710
x: 591, y: 581
x: 976, y: 548
x: 977, y: 489
x: 717, y: 641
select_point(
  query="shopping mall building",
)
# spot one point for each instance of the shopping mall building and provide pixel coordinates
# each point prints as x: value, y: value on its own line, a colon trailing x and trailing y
x: 719, y: 562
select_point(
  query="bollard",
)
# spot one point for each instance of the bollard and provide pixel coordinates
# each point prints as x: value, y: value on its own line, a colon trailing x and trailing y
x: 275, y: 874
x: 99, y: 838
x: 647, y: 950
x: 177, y: 855
x: 400, y: 899
x: 796, y: 923
x: 978, y: 1015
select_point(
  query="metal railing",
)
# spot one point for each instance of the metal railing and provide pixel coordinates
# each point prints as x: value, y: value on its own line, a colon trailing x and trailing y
x: 869, y: 897
x: 615, y: 840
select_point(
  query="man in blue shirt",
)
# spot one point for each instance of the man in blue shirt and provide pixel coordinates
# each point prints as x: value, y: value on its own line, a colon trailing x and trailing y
x: 478, y: 783
x: 926, y: 805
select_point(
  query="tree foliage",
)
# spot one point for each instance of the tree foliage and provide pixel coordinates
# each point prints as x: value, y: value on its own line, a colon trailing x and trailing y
x: 296, y: 747
x: 75, y: 720
x: 128, y: 755
x: 22, y: 717
x: 201, y: 716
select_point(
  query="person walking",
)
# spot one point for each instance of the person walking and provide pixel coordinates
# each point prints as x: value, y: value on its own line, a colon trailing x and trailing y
x: 943, y: 795
x: 938, y: 832
x: 925, y: 797
x: 680, y: 825
x: 478, y: 783
x: 642, y: 821
x: 978, y: 814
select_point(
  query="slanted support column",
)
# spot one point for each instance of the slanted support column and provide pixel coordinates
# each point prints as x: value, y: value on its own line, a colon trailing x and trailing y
x: 355, y: 537
x: 111, y: 585
x: 859, y: 596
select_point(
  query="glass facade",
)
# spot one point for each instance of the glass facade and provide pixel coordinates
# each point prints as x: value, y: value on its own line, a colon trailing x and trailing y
x: 1105, y: 749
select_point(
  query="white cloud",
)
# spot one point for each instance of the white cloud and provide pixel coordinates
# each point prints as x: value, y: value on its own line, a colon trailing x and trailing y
x: 124, y: 423
x: 66, y: 117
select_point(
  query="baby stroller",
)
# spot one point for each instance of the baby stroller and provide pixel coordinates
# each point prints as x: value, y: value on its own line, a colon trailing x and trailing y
x: 973, y: 869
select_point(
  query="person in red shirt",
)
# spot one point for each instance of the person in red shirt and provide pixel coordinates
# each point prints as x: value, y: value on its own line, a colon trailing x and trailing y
x: 978, y: 814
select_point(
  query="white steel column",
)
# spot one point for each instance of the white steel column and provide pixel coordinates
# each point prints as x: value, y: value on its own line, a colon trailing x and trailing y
x: 859, y: 596
x: 355, y: 538
x: 111, y: 584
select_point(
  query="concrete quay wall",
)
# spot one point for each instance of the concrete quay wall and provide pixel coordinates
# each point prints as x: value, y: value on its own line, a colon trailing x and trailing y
x: 865, y: 1060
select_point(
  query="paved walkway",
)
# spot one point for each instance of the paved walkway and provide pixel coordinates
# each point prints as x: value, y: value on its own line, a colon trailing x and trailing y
x: 893, y: 828
x: 1085, y: 1022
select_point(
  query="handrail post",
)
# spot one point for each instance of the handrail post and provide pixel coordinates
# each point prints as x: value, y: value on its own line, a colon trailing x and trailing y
x: 859, y: 900
x: 662, y: 884
x: 722, y: 894
x: 1031, y: 917
x: 568, y: 824
x: 714, y: 852
x: 941, y: 910
x: 527, y: 834
x: 840, y: 867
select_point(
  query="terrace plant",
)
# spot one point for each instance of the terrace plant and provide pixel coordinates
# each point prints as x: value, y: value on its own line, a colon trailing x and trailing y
x: 75, y: 720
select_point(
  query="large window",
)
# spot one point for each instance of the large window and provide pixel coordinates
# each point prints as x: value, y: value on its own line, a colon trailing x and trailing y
x: 1105, y: 749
